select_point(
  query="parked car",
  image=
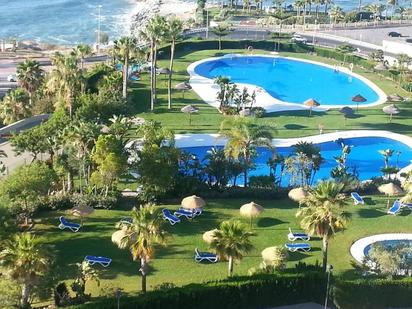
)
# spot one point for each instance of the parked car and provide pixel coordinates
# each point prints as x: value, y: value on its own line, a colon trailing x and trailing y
x: 299, y: 39
x: 394, y: 34
x: 12, y: 78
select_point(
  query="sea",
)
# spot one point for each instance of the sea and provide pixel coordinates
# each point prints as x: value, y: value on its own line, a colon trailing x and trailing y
x: 68, y: 22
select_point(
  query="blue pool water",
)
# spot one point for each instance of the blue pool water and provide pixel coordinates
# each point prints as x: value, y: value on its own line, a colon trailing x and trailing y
x: 393, y: 243
x: 290, y: 80
x: 364, y: 156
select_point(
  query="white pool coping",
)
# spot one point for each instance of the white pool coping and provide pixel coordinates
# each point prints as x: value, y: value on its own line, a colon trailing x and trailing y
x: 199, y: 140
x: 358, y: 247
x: 207, y: 89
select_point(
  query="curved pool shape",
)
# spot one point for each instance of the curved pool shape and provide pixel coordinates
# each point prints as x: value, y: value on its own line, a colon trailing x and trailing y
x: 361, y: 247
x: 364, y: 157
x: 288, y: 80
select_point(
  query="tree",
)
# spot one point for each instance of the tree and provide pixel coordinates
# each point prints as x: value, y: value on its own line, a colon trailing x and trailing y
x: 404, y: 61
x: 244, y: 135
x: 82, y: 51
x: 220, y: 31
x: 25, y: 260
x: 124, y: 48
x: 15, y: 106
x: 322, y: 215
x: 308, y: 159
x: 232, y: 241
x: 345, y: 49
x: 375, y: 9
x: 336, y: 13
x: 30, y: 77
x: 174, y: 28
x: 141, y: 236
x: 84, y: 274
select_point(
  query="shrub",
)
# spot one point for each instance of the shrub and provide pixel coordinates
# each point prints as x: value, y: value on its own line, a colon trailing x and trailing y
x: 258, y: 112
x: 264, y: 182
x: 67, y: 201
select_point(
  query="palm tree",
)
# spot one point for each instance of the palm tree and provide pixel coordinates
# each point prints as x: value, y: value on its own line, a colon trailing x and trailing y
x: 173, y: 31
x: 404, y: 62
x: 82, y: 51
x: 318, y: 3
x: 220, y: 31
x: 387, y: 154
x: 327, y: 4
x: 141, y: 236
x: 393, y: 4
x: 26, y: 261
x: 232, y: 241
x: 30, y: 77
x: 244, y: 135
x: 336, y: 13
x: 322, y: 215
x: 124, y: 48
x: 375, y: 9
x: 15, y: 106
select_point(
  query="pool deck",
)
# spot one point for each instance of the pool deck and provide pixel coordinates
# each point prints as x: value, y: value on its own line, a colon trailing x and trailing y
x: 207, y: 89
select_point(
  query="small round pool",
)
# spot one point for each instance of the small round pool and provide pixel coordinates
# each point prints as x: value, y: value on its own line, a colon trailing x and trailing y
x: 289, y: 80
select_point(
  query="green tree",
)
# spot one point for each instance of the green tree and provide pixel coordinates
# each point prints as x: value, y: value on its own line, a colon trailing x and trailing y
x: 322, y: 214
x: 232, y: 241
x: 15, y: 106
x: 85, y: 273
x: 26, y: 260
x: 244, y: 135
x: 82, y: 51
x: 141, y: 236
x: 336, y: 13
x: 124, y: 49
x: 220, y: 31
x: 345, y: 49
x: 404, y: 61
x: 30, y: 77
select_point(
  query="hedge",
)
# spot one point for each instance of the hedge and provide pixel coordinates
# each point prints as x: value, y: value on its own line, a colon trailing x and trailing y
x: 260, y: 291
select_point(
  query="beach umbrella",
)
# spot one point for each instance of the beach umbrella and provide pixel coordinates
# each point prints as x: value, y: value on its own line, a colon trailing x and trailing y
x: 209, y: 236
x: 347, y: 112
x: 297, y: 194
x: 390, y: 189
x: 163, y: 71
x: 118, y: 236
x: 395, y: 98
x: 251, y: 210
x: 82, y: 211
x: 137, y: 121
x: 183, y: 87
x: 190, y: 109
x: 271, y: 254
x: 380, y: 67
x: 358, y: 99
x: 311, y: 103
x: 391, y: 110
x: 193, y: 202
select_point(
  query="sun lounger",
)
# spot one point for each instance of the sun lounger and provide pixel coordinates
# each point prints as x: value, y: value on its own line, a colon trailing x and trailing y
x: 64, y: 224
x: 409, y: 205
x: 189, y: 214
x: 205, y: 256
x: 396, y: 207
x: 167, y: 215
x: 357, y: 199
x: 104, y: 261
x: 298, y: 247
x: 126, y: 220
x: 295, y: 236
x: 196, y: 211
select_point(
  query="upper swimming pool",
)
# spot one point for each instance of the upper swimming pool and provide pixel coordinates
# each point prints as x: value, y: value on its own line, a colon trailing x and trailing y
x: 291, y: 80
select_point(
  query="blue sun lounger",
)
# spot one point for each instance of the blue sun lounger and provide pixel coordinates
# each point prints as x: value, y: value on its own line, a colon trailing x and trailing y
x: 357, y: 199
x: 64, y: 224
x: 196, y: 211
x: 396, y: 207
x: 295, y: 236
x: 409, y: 205
x: 298, y: 247
x: 103, y: 261
x: 181, y: 212
x: 167, y: 215
x: 205, y: 256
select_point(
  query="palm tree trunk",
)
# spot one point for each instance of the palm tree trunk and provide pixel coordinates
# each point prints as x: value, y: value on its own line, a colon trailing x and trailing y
x: 151, y: 75
x: 143, y: 273
x: 325, y: 242
x: 30, y: 98
x: 155, y: 76
x: 220, y: 43
x: 69, y: 182
x: 169, y: 86
x: 125, y: 71
x: 230, y: 267
x: 25, y: 293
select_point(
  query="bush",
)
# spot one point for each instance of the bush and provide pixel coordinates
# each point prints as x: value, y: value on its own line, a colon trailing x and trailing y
x: 262, y: 182
x: 67, y: 201
x: 258, y: 112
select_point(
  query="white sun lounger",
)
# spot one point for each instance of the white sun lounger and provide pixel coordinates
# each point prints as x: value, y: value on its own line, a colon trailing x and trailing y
x: 64, y: 224
x: 357, y: 199
x: 295, y: 236
x: 103, y: 261
x: 298, y: 247
x: 205, y: 256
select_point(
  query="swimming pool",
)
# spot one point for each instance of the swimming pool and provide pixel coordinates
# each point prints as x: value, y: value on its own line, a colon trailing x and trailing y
x: 364, y: 157
x: 285, y: 82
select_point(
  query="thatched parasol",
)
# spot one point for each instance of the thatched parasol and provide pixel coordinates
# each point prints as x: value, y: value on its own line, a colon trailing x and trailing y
x: 251, y: 210
x: 81, y: 211
x: 347, y: 112
x: 358, y: 99
x: 183, y: 87
x: 209, y: 236
x: 271, y: 255
x: 311, y: 103
x: 297, y: 194
x: 391, y: 110
x: 164, y: 71
x: 395, y: 98
x: 118, y: 236
x: 193, y: 202
x: 390, y: 189
x: 381, y: 67
x: 189, y: 109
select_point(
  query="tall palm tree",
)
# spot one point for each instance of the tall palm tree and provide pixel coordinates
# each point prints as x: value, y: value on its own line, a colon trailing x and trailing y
x: 30, y: 77
x: 26, y: 260
x: 141, y: 236
x: 244, y: 135
x: 232, y: 241
x: 327, y: 4
x: 174, y: 28
x: 220, y: 31
x: 404, y: 61
x: 124, y: 48
x: 322, y: 214
x: 154, y: 33
x: 336, y: 13
x: 82, y: 51
x: 15, y: 106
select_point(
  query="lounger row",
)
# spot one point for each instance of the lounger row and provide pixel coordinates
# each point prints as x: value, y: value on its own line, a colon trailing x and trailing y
x: 181, y: 212
x: 397, y: 207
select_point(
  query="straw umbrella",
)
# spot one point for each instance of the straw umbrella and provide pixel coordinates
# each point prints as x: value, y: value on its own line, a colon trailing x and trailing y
x: 118, y: 236
x: 209, y: 236
x: 297, y: 194
x: 164, y: 71
x: 189, y: 109
x: 358, y: 99
x: 273, y: 255
x: 82, y: 211
x: 183, y: 87
x: 381, y: 67
x: 311, y: 103
x: 391, y: 110
x: 193, y: 202
x: 347, y: 112
x: 251, y: 210
x: 390, y: 189
x: 395, y: 98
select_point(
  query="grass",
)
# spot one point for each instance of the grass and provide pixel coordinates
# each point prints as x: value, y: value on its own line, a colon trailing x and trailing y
x: 174, y: 263
x: 288, y: 124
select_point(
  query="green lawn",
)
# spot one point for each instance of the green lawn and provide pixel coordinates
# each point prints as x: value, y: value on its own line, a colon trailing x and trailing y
x: 175, y: 262
x: 288, y: 124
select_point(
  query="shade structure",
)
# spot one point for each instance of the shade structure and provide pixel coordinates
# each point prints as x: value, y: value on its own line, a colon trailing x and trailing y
x: 81, y: 211
x: 390, y: 189
x: 271, y: 254
x: 189, y: 109
x: 347, y: 112
x: 193, y: 202
x: 395, y: 98
x: 380, y: 67
x: 209, y: 236
x: 391, y: 110
x: 183, y: 86
x: 164, y: 71
x: 137, y: 121
x: 311, y: 103
x: 358, y: 99
x: 251, y: 210
x: 298, y: 194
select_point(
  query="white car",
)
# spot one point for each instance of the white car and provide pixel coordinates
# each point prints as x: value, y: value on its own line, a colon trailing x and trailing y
x: 299, y: 39
x: 12, y: 78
